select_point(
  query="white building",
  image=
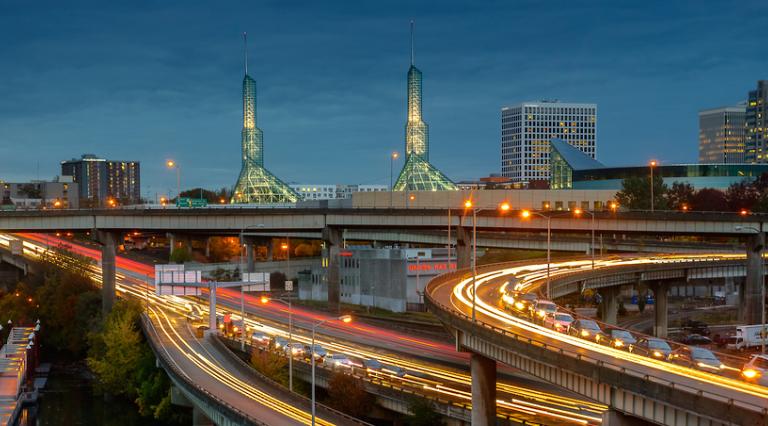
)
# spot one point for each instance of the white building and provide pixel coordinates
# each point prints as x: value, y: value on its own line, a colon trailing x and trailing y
x: 527, y: 128
x: 333, y: 192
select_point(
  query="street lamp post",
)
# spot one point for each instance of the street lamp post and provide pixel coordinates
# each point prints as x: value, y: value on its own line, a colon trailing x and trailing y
x: 171, y: 164
x: 345, y: 319
x: 287, y: 247
x: 578, y: 212
x: 762, y: 290
x: 525, y: 214
x: 265, y: 300
x: 242, y: 271
x: 392, y: 159
x: 503, y: 208
x: 652, y: 164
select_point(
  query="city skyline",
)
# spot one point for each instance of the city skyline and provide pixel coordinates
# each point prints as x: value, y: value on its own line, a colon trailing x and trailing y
x: 167, y: 91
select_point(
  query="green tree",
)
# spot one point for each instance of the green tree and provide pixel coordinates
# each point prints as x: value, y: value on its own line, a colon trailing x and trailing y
x: 223, y: 249
x: 347, y: 394
x: 709, y: 200
x: 680, y: 194
x: 742, y: 195
x: 423, y: 413
x: 180, y: 255
x: 635, y: 193
x: 271, y: 365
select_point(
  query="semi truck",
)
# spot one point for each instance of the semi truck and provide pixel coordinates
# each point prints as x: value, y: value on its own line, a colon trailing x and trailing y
x: 749, y: 336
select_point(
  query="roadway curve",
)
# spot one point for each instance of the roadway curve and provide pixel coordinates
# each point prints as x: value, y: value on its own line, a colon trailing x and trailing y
x: 452, y: 293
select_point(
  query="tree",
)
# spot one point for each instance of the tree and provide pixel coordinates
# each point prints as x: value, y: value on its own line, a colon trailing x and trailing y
x: 347, y: 394
x: 180, y: 255
x: 223, y: 249
x: 635, y: 193
x: 741, y: 195
x: 679, y: 195
x: 708, y: 199
x: 423, y: 413
x: 271, y: 364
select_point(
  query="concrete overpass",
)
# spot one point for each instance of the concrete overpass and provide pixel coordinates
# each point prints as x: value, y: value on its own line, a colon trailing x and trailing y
x: 630, y: 384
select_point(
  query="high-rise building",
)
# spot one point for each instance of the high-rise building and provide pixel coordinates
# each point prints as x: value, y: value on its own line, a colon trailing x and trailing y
x: 418, y: 173
x: 256, y: 185
x: 722, y: 136
x: 99, y: 179
x: 756, y: 125
x: 527, y: 128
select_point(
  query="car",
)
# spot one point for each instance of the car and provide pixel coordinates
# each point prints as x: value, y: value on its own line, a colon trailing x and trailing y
x: 393, y: 370
x: 696, y: 327
x: 696, y: 339
x: 519, y: 301
x: 621, y: 339
x: 319, y: 352
x: 372, y: 364
x: 756, y: 370
x: 260, y: 339
x: 652, y: 348
x: 559, y: 321
x: 587, y: 329
x: 294, y: 349
x: 338, y: 361
x: 698, y: 358
x: 280, y: 342
x: 541, y: 309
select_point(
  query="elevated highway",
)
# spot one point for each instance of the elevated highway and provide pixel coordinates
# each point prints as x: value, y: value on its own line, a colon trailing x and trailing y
x: 630, y: 384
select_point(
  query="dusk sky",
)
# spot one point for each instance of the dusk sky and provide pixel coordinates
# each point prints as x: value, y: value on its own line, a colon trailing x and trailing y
x: 153, y: 80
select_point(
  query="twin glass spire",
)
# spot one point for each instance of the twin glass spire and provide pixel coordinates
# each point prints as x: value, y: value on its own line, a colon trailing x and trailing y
x: 256, y: 185
x: 418, y: 174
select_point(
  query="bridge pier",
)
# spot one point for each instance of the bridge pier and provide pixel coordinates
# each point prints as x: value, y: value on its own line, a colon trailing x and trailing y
x: 250, y: 251
x: 615, y: 418
x: 753, y: 285
x: 610, y: 297
x: 463, y: 247
x: 332, y: 238
x: 483, y: 371
x: 199, y: 418
x: 270, y: 249
x: 108, y: 241
x: 661, y: 306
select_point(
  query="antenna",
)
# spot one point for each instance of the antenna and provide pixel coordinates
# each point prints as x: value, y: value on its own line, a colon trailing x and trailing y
x: 245, y: 42
x: 411, y: 42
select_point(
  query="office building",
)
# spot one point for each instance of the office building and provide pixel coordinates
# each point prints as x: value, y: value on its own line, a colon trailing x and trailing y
x: 333, y: 192
x: 756, y: 127
x: 572, y: 169
x: 255, y: 184
x: 387, y: 278
x: 418, y: 173
x: 61, y: 192
x: 722, y: 137
x: 99, y: 179
x: 527, y: 128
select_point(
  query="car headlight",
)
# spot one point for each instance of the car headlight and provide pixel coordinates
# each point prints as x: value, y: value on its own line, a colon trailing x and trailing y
x: 711, y: 367
x: 750, y: 373
x: 558, y: 325
x: 519, y: 305
x: 542, y: 313
x: 658, y: 354
x: 618, y: 343
x: 584, y: 333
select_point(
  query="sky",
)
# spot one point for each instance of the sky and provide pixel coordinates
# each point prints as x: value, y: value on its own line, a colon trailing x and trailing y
x: 153, y: 80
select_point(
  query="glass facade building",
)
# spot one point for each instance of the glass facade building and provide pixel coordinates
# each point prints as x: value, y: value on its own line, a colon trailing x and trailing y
x: 722, y: 137
x: 573, y: 170
x: 527, y: 128
x: 756, y: 126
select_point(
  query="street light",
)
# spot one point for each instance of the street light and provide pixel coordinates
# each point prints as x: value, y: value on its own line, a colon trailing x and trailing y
x: 346, y: 319
x: 762, y: 287
x: 242, y: 278
x: 468, y: 204
x: 171, y: 164
x: 578, y: 213
x: 265, y: 300
x: 652, y: 164
x: 392, y: 159
x: 286, y: 246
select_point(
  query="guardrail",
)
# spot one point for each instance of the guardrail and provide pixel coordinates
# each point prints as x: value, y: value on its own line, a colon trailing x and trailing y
x: 458, y: 319
x: 180, y: 377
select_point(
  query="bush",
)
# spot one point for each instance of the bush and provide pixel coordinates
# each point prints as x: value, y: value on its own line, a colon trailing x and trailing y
x: 180, y: 255
x: 347, y: 394
x: 271, y: 365
x: 423, y: 413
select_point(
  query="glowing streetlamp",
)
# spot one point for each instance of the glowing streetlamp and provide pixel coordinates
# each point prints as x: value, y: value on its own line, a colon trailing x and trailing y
x: 392, y: 159
x: 171, y: 164
x: 651, y: 165
x: 264, y: 300
x: 346, y: 319
x: 526, y: 214
x: 578, y: 212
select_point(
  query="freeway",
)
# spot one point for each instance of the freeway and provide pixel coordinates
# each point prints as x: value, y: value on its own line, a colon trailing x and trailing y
x: 457, y: 295
x: 518, y: 398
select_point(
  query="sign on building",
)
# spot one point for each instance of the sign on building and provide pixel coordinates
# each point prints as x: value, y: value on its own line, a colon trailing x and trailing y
x: 174, y: 280
x: 255, y: 281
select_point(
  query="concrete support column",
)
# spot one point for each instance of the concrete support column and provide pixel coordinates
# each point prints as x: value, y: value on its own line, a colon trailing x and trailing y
x: 483, y: 371
x: 332, y: 237
x: 463, y: 247
x: 610, y: 297
x: 250, y: 252
x: 108, y: 241
x: 199, y: 418
x: 753, y: 286
x: 171, y: 242
x: 270, y: 249
x: 661, y: 306
x: 208, y: 247
x: 615, y: 418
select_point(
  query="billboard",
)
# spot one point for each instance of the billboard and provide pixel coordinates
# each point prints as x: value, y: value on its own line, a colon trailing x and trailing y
x: 255, y: 281
x: 174, y: 280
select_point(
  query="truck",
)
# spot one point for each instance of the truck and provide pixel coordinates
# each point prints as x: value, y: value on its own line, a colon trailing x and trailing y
x: 749, y: 336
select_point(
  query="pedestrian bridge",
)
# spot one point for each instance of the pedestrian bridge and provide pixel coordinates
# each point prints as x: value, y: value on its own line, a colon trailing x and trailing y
x: 633, y: 386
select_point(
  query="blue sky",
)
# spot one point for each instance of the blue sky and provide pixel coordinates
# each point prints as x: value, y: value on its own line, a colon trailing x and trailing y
x: 151, y: 80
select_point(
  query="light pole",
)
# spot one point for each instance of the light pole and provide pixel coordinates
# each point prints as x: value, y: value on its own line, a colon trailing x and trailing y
x: 265, y: 300
x: 762, y: 289
x: 345, y: 319
x: 503, y: 208
x: 171, y: 164
x: 525, y: 214
x: 652, y: 164
x: 242, y: 276
x: 578, y: 212
x: 392, y: 159
x: 287, y: 247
